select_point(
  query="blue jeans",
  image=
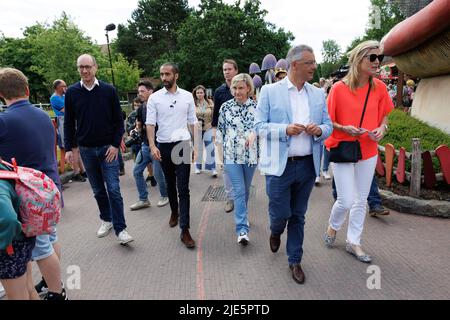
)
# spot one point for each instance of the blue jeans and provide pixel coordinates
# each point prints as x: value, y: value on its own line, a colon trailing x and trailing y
x: 288, y: 201
x: 374, y: 198
x: 210, y: 152
x: 143, y: 158
x: 100, y: 172
x: 241, y: 176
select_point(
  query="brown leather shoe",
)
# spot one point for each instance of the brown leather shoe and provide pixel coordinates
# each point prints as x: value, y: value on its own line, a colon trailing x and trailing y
x: 173, y: 219
x: 187, y: 239
x: 297, y: 273
x: 275, y: 242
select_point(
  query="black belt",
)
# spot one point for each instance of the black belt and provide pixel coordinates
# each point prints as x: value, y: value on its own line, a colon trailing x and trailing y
x: 298, y: 158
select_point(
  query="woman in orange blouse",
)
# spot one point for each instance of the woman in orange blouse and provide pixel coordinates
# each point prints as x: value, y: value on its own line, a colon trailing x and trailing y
x: 345, y: 106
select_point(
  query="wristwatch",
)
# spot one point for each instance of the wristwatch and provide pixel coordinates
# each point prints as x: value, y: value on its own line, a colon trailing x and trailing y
x: 385, y: 127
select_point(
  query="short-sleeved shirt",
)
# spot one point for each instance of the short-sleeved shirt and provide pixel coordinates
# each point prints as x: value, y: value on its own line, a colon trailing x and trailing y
x: 57, y: 103
x: 345, y: 107
x: 172, y: 112
x: 236, y: 123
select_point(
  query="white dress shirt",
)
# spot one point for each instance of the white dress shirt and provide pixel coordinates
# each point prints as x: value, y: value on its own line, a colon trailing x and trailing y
x: 89, y: 88
x: 173, y: 112
x: 301, y: 144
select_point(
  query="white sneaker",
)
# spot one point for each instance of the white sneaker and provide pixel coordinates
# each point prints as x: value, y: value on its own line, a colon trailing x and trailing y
x: 197, y: 171
x: 2, y: 291
x: 214, y: 173
x: 104, y: 229
x: 317, y: 181
x: 163, y: 201
x: 124, y: 237
x: 140, y: 204
x: 243, y: 238
x: 326, y: 175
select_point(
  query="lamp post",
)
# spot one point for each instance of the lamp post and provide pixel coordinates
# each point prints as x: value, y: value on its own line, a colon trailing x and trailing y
x: 110, y: 27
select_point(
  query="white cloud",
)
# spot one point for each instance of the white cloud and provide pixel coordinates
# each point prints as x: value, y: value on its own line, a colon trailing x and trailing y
x: 311, y: 22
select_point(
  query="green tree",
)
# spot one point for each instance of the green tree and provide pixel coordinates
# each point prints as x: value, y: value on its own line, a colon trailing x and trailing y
x: 126, y: 75
x: 16, y: 53
x: 331, y: 51
x: 217, y: 31
x: 151, y: 31
x: 57, y: 47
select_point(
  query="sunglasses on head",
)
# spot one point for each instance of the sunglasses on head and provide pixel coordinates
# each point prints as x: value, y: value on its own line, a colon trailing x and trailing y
x: 373, y: 57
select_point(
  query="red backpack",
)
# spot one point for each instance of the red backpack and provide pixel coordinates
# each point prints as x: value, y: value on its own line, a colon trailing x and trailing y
x: 40, y: 199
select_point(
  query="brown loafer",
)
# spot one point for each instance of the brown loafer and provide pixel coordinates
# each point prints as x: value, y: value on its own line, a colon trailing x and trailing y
x: 297, y: 273
x: 274, y: 242
x: 173, y: 219
x: 187, y: 239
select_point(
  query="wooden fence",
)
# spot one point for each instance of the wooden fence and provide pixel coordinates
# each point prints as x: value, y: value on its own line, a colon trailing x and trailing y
x: 420, y: 161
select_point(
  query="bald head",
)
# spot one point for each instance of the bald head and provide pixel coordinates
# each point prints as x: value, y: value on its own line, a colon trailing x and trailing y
x: 86, y: 57
x: 87, y: 67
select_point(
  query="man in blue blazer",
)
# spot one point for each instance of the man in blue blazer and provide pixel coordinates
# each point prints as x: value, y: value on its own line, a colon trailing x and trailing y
x: 291, y: 120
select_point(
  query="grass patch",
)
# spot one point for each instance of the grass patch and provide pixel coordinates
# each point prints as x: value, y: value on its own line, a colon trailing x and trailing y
x: 403, y: 128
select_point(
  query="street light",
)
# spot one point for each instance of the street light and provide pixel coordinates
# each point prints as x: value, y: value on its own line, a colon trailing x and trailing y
x: 110, y: 27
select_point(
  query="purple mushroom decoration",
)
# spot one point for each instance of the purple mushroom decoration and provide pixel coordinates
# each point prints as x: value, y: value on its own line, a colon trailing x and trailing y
x: 254, y: 68
x: 282, y: 64
x: 257, y: 82
x: 269, y: 62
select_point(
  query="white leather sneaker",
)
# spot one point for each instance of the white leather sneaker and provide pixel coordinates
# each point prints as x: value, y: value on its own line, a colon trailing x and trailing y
x: 104, y: 229
x: 326, y: 175
x: 124, y: 237
x: 163, y: 201
x: 140, y: 204
x: 243, y: 239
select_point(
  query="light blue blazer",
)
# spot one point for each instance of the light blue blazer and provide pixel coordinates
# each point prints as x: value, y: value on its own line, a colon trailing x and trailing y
x: 274, y: 114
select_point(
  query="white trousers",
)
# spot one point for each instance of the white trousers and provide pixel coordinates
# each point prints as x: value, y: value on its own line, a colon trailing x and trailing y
x: 353, y: 181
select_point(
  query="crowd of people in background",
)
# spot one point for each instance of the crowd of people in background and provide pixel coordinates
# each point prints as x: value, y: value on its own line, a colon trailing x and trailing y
x: 172, y: 128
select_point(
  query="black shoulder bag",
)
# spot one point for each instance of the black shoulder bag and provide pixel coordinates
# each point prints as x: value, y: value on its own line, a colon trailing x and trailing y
x: 349, y: 151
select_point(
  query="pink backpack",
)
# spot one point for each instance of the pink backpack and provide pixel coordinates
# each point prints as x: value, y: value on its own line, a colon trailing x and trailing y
x: 40, y: 200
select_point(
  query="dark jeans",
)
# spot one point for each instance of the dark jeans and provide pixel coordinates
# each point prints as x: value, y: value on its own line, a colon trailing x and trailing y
x: 288, y: 202
x: 374, y: 198
x: 101, y: 173
x: 177, y: 169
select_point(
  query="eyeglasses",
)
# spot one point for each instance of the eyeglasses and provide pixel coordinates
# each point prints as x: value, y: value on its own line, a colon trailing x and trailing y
x: 310, y: 63
x: 173, y: 104
x: 85, y: 67
x: 373, y: 57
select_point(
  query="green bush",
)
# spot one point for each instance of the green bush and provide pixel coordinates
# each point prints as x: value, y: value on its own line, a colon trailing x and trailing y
x: 403, y: 128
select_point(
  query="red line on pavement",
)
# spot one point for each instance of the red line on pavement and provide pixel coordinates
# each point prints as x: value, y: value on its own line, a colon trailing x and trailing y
x: 200, y: 276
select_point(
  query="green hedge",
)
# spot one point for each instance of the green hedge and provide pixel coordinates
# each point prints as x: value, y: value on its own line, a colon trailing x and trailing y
x: 403, y: 128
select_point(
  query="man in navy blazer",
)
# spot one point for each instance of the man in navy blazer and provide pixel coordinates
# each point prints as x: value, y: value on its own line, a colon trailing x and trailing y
x: 292, y: 120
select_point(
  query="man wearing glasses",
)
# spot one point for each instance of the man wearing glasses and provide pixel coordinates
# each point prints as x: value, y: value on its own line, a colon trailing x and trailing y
x: 94, y: 122
x: 173, y: 110
x: 292, y: 121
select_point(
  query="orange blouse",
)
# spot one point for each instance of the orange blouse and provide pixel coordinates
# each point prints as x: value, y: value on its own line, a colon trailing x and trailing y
x: 345, y: 107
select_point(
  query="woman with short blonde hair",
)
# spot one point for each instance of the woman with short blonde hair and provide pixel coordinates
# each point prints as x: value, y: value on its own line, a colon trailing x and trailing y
x: 236, y: 128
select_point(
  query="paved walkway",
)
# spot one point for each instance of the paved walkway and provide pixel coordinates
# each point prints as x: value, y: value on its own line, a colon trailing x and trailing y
x: 411, y: 251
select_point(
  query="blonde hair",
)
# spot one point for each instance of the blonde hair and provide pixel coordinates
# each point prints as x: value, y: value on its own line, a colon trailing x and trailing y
x: 243, y: 77
x: 354, y: 60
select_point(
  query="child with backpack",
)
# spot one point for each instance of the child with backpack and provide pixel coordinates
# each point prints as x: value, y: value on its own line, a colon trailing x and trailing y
x: 15, y: 248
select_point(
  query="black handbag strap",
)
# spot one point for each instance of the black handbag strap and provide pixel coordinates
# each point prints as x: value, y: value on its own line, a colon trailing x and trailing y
x: 365, y: 105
